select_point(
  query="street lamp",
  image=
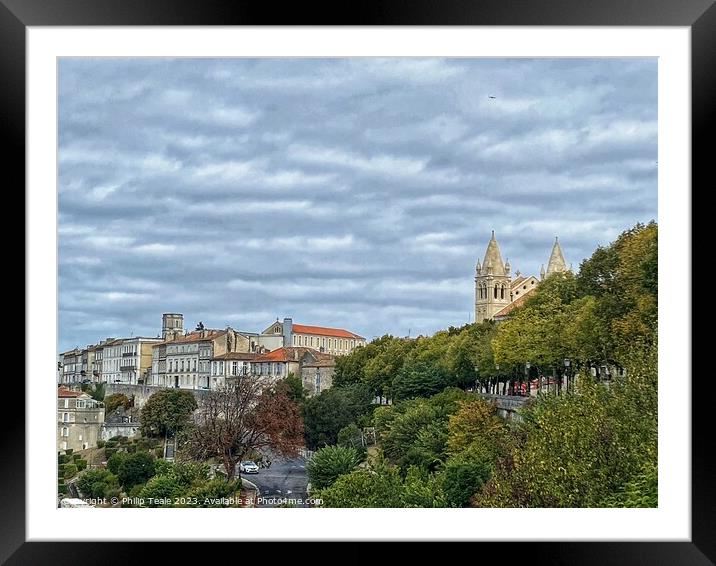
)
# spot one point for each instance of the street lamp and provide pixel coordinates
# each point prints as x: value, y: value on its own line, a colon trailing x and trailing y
x: 497, y: 376
x: 527, y: 376
x: 567, y: 364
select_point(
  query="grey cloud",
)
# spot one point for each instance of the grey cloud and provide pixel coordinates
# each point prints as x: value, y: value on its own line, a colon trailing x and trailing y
x: 347, y: 192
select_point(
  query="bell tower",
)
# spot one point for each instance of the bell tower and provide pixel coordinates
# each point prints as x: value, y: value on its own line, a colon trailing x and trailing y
x: 492, y: 283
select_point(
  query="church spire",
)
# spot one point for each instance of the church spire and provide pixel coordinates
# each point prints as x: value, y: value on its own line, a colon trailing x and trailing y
x: 493, y: 258
x: 556, y: 259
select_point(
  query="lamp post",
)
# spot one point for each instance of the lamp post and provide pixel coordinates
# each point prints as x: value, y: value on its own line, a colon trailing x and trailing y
x: 567, y: 364
x: 497, y: 376
x: 527, y: 377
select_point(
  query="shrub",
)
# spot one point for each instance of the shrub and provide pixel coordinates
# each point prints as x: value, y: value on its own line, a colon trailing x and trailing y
x: 70, y: 470
x: 159, y: 452
x: 464, y: 476
x: 62, y: 489
x: 114, y: 461
x: 135, y: 469
x: 63, y: 459
x: 331, y: 462
x: 69, y: 451
x: 131, y: 449
x: 123, y: 439
x: 109, y: 452
x: 100, y: 443
x: 96, y: 483
x: 81, y: 464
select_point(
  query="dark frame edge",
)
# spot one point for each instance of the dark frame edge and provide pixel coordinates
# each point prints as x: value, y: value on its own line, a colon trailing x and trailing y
x: 12, y: 109
x: 702, y: 548
x: 703, y: 95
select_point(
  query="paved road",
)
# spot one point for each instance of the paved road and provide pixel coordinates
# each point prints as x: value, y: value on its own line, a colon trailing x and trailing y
x: 285, y: 479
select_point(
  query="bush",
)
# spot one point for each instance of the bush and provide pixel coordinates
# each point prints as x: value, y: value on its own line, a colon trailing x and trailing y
x: 123, y: 439
x: 70, y: 470
x: 100, y: 443
x: 62, y: 489
x: 109, y: 452
x: 96, y: 483
x: 135, y: 469
x: 61, y: 469
x: 464, y: 476
x: 131, y: 449
x: 81, y: 464
x: 63, y: 459
x: 69, y: 451
x: 114, y: 461
x: 159, y: 452
x: 331, y: 462
x: 76, y: 457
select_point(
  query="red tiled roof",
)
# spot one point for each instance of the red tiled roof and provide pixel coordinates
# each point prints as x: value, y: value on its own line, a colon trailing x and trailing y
x: 63, y: 392
x: 287, y: 354
x: 194, y: 336
x: 514, y: 304
x: 324, y: 331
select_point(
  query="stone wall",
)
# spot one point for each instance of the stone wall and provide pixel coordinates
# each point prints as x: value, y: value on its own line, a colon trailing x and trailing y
x: 143, y: 392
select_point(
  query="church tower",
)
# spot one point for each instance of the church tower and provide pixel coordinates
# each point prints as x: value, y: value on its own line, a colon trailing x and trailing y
x: 492, y: 283
x: 556, y: 260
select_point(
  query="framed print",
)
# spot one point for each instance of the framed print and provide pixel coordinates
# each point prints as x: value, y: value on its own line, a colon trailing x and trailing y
x: 387, y: 279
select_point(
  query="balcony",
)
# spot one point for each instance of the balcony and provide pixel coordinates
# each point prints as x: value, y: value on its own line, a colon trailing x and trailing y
x: 129, y: 354
x: 128, y: 368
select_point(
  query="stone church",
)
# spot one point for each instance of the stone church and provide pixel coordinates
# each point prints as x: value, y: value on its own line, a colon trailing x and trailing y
x: 497, y: 293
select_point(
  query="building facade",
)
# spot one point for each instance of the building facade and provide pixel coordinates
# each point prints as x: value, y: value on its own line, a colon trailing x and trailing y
x: 284, y: 361
x: 231, y: 364
x: 334, y: 341
x: 317, y: 375
x: 126, y: 360
x: 79, y: 420
x: 185, y: 362
x: 497, y: 293
x: 71, y: 371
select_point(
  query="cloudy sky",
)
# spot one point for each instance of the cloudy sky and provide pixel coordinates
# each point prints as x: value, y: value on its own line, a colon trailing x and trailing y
x: 356, y: 193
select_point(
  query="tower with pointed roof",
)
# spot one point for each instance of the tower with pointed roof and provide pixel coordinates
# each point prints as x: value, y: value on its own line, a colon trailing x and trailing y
x: 556, y: 260
x: 492, y: 283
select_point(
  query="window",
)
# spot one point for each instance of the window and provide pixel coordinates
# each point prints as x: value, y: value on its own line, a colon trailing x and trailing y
x: 80, y: 404
x: 80, y: 437
x: 65, y: 417
x: 66, y: 403
x: 65, y: 431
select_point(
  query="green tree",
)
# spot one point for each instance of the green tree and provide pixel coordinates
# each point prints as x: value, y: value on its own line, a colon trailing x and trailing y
x: 293, y: 387
x: 419, y: 378
x: 135, y: 469
x: 333, y: 409
x: 167, y: 411
x: 330, y: 462
x: 111, y: 402
x: 96, y: 483
x: 211, y: 493
x: 464, y: 475
x: 376, y: 486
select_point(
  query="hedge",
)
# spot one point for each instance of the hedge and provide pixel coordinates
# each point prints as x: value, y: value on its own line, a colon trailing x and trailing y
x: 76, y: 457
x: 62, y: 489
x: 81, y: 464
x: 70, y: 470
x: 100, y: 443
x: 63, y: 459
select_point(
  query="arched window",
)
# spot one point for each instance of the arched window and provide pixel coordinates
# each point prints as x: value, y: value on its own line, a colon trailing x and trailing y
x: 502, y: 292
x: 495, y: 289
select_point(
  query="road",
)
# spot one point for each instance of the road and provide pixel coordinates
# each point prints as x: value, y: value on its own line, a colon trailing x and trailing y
x: 284, y: 479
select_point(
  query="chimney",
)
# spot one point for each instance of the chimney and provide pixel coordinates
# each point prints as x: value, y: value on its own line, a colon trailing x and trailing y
x: 287, y: 332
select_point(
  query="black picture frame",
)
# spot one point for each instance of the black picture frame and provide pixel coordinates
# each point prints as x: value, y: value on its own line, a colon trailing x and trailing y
x: 699, y: 15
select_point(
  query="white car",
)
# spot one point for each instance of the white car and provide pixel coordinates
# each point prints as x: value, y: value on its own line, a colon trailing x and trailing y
x: 249, y: 467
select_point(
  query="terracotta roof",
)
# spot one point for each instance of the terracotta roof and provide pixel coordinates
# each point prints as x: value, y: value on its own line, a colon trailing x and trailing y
x: 324, y: 331
x: 287, y: 354
x: 64, y: 392
x: 194, y: 336
x: 236, y: 356
x: 514, y: 304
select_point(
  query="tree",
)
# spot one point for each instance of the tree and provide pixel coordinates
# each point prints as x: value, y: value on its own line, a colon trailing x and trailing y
x: 418, y: 378
x: 167, y: 411
x: 111, y: 402
x: 379, y: 485
x: 244, y: 416
x: 328, y: 463
x: 134, y: 469
x: 96, y: 483
x: 464, y: 475
x: 333, y: 409
x: 294, y: 388
x: 200, y: 326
